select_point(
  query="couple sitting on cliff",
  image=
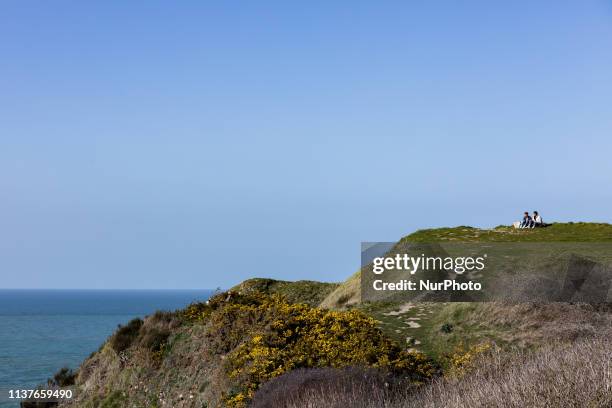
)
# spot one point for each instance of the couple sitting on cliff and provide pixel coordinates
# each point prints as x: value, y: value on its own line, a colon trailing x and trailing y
x: 530, y: 221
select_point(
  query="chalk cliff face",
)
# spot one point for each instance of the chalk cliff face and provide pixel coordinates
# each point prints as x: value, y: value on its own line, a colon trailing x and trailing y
x: 221, y: 352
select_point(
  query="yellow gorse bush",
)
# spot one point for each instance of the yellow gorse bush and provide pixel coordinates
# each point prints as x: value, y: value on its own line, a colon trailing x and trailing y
x: 265, y: 336
x: 461, y: 361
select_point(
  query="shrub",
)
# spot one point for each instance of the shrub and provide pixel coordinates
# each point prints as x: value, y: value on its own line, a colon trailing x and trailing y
x: 196, y: 312
x: 264, y: 336
x: 463, y: 359
x: 571, y: 375
x: 165, y: 319
x: 309, y: 292
x: 63, y: 378
x: 125, y: 335
x: 347, y: 387
x: 446, y: 328
x: 154, y: 338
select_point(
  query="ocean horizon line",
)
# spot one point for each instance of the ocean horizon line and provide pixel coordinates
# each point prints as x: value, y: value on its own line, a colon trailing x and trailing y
x: 113, y: 289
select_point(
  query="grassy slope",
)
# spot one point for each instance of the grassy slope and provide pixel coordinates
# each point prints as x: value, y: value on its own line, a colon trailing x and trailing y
x: 523, y: 326
x: 309, y: 292
x: 346, y: 293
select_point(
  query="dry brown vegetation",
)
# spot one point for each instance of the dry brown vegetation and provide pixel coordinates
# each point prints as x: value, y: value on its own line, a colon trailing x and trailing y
x: 346, y: 294
x: 576, y: 375
x: 570, y: 375
x: 515, y: 326
x: 348, y: 387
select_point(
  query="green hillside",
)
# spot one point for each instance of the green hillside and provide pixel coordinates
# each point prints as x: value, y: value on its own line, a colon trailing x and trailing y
x: 304, y: 291
x: 348, y: 292
x: 439, y: 329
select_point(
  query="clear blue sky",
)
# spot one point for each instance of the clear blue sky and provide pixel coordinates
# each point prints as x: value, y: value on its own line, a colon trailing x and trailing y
x: 196, y: 144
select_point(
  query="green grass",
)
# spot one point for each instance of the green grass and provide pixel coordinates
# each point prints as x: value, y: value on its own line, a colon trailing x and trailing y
x: 571, y: 232
x: 465, y: 318
x: 475, y: 322
x: 558, y: 232
x: 116, y: 399
x: 466, y: 331
x: 304, y: 291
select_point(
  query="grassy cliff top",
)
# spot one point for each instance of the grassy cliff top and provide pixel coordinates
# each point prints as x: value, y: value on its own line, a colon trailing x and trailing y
x: 558, y: 232
x: 348, y: 293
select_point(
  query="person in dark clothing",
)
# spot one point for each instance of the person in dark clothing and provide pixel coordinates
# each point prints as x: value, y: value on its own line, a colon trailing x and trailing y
x: 527, y: 221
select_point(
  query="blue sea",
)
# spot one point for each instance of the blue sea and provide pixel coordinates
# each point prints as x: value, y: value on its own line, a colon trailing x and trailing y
x: 44, y: 330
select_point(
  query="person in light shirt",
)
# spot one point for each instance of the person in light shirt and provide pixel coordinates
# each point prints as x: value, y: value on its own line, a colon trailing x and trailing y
x: 537, y: 220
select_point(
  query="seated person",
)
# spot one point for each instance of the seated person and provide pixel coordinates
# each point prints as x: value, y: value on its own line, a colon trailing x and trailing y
x: 527, y: 221
x: 537, y: 220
